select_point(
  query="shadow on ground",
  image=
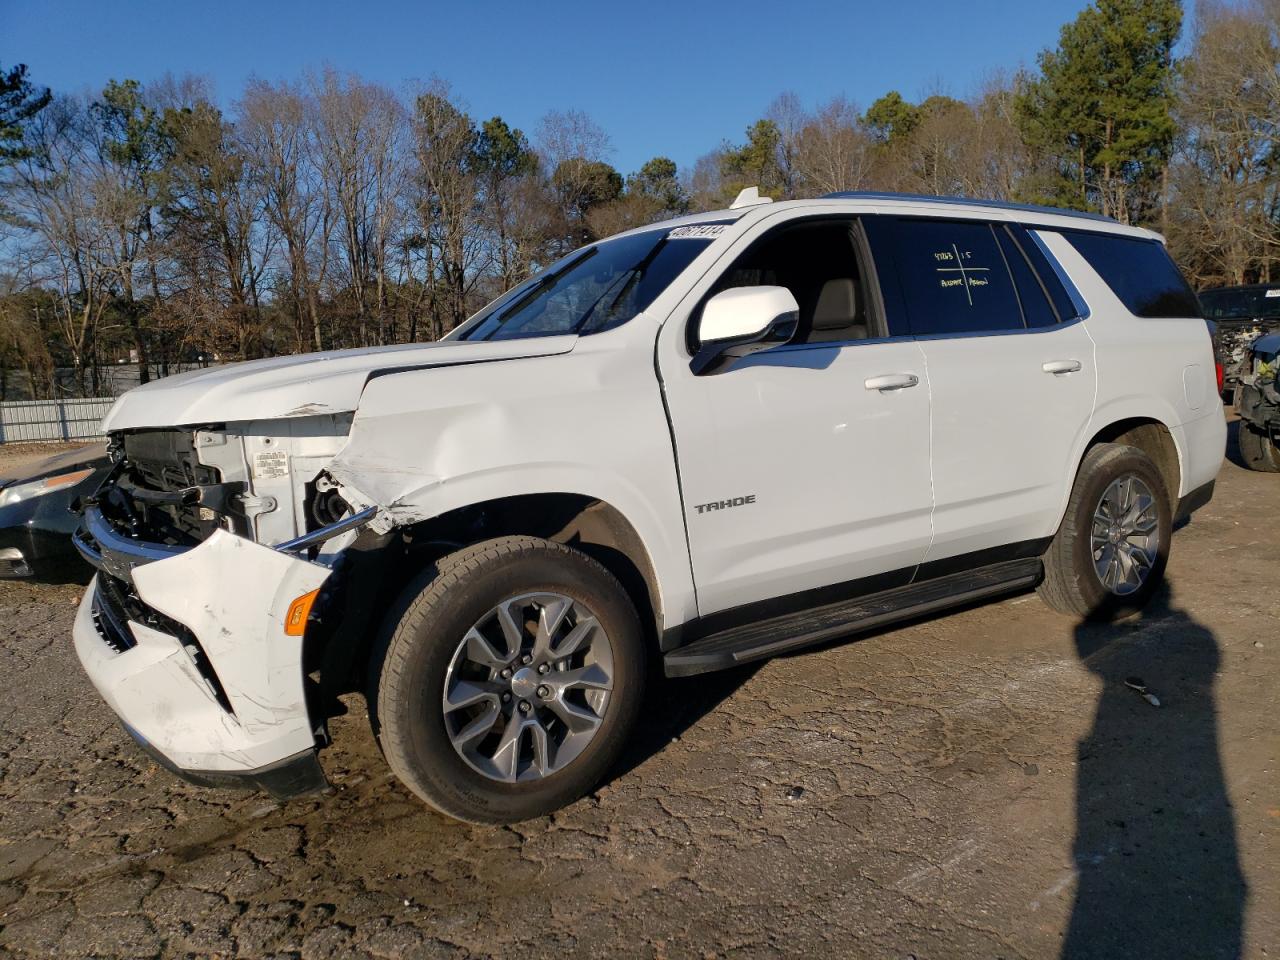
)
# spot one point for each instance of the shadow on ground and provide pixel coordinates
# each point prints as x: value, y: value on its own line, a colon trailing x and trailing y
x: 672, y: 706
x: 1155, y: 845
x: 1233, y: 444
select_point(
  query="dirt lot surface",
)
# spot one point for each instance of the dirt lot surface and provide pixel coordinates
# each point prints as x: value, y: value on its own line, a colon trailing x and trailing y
x: 14, y: 455
x: 982, y: 785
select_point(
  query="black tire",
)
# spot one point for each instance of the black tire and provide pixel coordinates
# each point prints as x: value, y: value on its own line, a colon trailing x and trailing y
x: 1258, y: 450
x: 1071, y: 584
x: 408, y: 675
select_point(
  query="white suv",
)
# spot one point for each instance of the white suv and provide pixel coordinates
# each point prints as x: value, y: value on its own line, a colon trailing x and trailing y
x: 702, y: 443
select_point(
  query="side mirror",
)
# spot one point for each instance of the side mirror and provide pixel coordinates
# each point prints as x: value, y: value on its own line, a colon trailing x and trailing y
x: 743, y: 317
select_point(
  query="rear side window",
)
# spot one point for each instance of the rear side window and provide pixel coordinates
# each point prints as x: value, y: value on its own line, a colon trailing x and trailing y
x: 1036, y: 308
x: 953, y: 277
x: 1067, y: 304
x: 1139, y: 272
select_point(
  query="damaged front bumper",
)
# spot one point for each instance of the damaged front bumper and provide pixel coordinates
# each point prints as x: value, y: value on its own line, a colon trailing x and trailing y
x: 1258, y: 402
x: 211, y: 684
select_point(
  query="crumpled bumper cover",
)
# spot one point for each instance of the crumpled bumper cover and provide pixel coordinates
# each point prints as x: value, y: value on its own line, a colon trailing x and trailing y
x: 230, y: 707
x: 1259, y: 403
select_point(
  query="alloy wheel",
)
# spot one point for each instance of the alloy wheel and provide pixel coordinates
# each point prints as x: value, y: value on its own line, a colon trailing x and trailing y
x: 1125, y: 536
x: 528, y: 686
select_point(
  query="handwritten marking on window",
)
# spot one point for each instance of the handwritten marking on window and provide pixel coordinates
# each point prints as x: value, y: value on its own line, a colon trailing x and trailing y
x: 968, y: 278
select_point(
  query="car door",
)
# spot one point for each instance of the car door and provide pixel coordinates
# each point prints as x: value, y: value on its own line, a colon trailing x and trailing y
x: 1011, y: 376
x: 804, y: 466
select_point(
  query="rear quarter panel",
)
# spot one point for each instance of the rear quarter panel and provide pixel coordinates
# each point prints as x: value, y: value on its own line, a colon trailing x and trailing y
x: 1151, y: 368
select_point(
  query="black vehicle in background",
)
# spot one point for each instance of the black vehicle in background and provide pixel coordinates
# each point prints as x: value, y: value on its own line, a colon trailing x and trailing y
x: 1241, y: 315
x: 36, y: 519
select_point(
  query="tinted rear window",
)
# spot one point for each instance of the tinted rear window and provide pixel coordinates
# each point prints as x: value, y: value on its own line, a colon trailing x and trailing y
x: 954, y: 277
x: 1037, y: 311
x: 1049, y: 274
x: 1139, y: 272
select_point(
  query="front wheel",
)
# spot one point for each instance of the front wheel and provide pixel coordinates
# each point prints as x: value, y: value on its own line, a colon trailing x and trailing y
x: 511, y: 682
x: 1109, y: 555
x: 1257, y: 449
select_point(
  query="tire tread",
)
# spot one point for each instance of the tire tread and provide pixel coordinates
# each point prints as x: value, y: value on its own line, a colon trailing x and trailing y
x: 389, y: 665
x: 1062, y: 589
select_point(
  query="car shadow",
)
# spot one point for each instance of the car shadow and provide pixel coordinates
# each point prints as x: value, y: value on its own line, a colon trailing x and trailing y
x: 1233, y: 444
x: 1155, y: 844
x: 672, y: 706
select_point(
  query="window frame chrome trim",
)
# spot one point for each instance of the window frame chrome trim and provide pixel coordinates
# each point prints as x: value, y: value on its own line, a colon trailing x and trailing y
x: 1073, y: 294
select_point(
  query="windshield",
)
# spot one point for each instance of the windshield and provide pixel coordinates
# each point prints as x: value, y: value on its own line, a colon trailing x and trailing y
x: 598, y: 288
x: 1250, y: 303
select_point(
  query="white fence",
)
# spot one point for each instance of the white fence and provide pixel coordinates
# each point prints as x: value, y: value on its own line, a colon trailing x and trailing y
x: 37, y: 420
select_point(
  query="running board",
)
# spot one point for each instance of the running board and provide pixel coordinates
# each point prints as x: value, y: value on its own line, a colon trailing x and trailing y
x: 767, y: 638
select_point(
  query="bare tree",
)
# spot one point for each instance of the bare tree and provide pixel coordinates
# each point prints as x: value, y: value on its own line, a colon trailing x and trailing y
x: 66, y: 246
x: 834, y: 150
x: 574, y: 150
x: 446, y: 203
x: 359, y: 137
x: 276, y: 127
x: 217, y: 232
x: 790, y: 119
x: 1224, y: 225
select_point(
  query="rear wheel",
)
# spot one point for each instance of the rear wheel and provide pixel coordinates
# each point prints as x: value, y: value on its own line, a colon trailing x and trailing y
x: 511, y: 681
x: 1109, y: 555
x: 1257, y: 449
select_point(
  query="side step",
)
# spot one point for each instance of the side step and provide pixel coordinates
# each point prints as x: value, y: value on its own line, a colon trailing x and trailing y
x: 755, y: 641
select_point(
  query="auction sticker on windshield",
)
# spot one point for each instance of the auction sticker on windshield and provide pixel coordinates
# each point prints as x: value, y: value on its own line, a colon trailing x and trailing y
x: 701, y: 231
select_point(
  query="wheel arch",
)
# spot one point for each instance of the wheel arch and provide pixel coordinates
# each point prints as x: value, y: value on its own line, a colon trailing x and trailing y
x: 592, y: 525
x: 1152, y: 437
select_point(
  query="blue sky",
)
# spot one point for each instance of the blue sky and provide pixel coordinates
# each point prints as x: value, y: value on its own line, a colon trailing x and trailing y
x: 669, y: 78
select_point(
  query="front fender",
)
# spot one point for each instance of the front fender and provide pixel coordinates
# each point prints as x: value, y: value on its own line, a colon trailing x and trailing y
x: 591, y: 423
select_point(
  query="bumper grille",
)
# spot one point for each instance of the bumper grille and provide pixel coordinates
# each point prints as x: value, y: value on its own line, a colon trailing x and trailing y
x: 115, y: 603
x: 111, y: 613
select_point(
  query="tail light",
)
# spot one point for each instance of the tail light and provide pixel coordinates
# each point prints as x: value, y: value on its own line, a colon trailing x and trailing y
x: 1222, y: 380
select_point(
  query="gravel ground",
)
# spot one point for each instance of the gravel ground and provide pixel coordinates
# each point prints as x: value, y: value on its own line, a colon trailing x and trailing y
x: 14, y: 455
x: 981, y: 785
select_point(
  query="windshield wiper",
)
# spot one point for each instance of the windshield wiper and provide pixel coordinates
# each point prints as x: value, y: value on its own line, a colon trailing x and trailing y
x: 627, y: 279
x: 535, y: 290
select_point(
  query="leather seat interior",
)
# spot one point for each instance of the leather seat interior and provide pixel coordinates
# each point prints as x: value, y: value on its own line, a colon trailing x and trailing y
x: 835, y: 314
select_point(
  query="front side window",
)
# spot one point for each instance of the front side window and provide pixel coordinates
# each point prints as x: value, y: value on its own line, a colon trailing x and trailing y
x: 595, y: 289
x: 952, y: 275
x: 817, y: 260
x: 1139, y: 272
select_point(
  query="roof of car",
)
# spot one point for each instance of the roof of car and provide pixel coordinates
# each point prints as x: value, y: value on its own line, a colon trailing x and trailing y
x: 1053, y: 217
x: 967, y: 202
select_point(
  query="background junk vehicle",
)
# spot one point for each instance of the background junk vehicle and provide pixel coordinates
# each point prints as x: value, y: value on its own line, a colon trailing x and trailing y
x: 706, y: 441
x: 1241, y: 314
x: 1258, y: 403
x: 37, y: 517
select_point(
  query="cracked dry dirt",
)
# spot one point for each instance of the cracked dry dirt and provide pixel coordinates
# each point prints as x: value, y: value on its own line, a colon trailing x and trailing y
x: 982, y: 785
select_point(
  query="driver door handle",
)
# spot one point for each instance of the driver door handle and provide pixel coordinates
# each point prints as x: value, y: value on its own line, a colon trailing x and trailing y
x: 1061, y: 366
x: 891, y: 381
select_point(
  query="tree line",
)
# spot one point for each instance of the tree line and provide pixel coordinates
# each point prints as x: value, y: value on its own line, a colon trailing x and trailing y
x: 147, y: 224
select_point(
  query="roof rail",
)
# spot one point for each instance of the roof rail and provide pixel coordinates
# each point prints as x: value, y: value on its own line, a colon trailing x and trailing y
x: 998, y: 204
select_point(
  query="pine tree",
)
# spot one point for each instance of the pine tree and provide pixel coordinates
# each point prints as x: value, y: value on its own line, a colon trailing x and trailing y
x: 19, y: 102
x: 1102, y: 107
